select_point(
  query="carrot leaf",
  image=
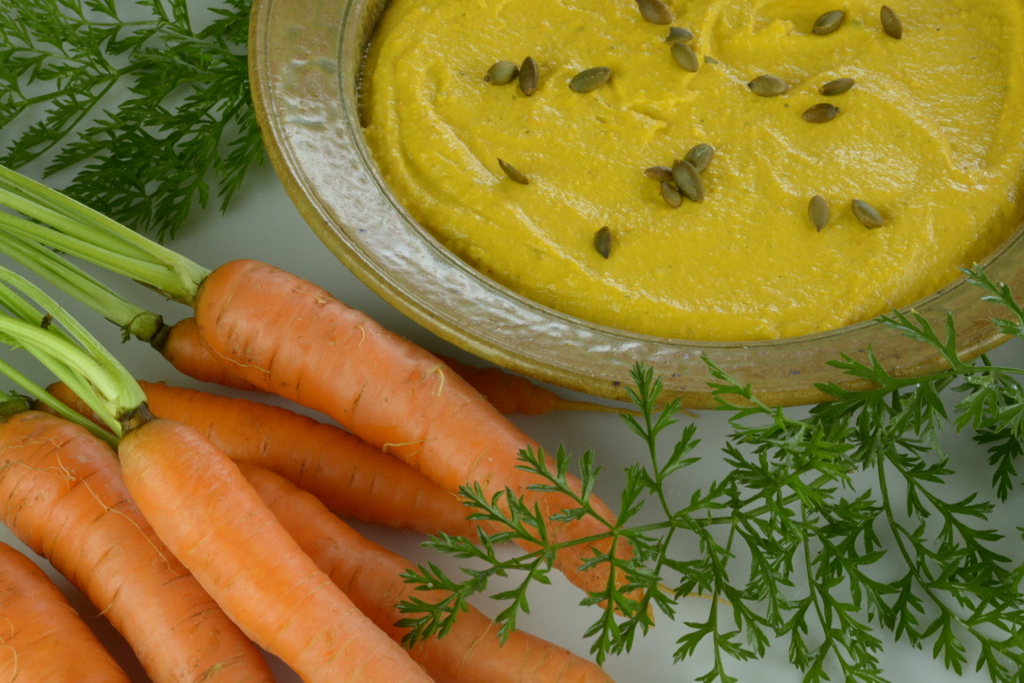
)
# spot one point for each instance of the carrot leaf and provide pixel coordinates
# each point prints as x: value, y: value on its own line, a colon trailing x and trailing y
x: 785, y: 549
x: 151, y: 114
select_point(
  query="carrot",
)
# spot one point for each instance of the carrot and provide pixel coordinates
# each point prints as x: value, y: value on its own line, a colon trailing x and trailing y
x: 182, y: 345
x: 351, y: 477
x: 188, y: 353
x: 211, y: 518
x: 42, y: 638
x: 63, y: 496
x: 371, y: 575
x: 292, y: 338
x: 511, y: 393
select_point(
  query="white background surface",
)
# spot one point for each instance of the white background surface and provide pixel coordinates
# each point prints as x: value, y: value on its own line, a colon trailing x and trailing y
x: 263, y: 224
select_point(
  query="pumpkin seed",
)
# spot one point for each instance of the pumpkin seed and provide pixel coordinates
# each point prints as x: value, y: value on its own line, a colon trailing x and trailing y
x: 655, y: 11
x: 512, y: 173
x: 817, y: 211
x: 671, y: 194
x: 767, y: 85
x: 603, y: 241
x: 700, y: 156
x: 659, y: 172
x: 828, y: 22
x: 590, y: 79
x: 688, y: 180
x: 836, y: 87
x: 866, y: 214
x: 891, y: 23
x: 502, y: 73
x: 821, y: 113
x: 528, y: 76
x: 679, y: 33
x: 685, y: 57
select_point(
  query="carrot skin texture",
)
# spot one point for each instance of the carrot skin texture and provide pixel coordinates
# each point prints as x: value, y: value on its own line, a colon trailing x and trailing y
x: 188, y: 353
x: 62, y: 495
x: 371, y: 576
x: 207, y: 513
x: 42, y: 637
x: 390, y: 392
x: 351, y: 477
x: 511, y: 393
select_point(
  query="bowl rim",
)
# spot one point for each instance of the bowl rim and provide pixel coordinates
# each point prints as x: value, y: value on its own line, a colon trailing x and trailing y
x: 305, y: 58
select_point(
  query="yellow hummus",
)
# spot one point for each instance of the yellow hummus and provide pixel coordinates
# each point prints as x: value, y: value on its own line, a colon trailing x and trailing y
x: 931, y: 135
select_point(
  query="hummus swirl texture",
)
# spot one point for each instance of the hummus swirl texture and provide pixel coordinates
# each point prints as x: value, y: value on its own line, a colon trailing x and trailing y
x: 931, y: 135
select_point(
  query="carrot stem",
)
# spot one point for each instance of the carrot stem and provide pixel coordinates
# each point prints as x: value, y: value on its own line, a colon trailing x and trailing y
x: 12, y: 405
x: 69, y: 278
x: 50, y: 213
x: 125, y: 265
x: 42, y: 395
x: 78, y: 230
x: 79, y: 359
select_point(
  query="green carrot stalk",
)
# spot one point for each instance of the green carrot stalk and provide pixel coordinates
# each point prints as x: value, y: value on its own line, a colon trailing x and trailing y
x: 62, y: 223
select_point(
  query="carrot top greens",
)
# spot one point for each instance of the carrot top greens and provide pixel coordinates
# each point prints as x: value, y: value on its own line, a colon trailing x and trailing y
x: 53, y: 219
x: 824, y: 497
x: 67, y: 350
x: 151, y: 113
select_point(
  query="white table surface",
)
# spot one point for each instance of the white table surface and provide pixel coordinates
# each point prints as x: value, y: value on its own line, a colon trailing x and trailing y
x: 263, y: 224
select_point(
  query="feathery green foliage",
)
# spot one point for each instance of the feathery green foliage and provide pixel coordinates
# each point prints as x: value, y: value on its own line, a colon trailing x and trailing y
x: 792, y: 537
x: 147, y: 111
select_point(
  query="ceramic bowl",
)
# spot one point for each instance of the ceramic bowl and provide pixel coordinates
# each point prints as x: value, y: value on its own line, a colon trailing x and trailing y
x: 305, y: 58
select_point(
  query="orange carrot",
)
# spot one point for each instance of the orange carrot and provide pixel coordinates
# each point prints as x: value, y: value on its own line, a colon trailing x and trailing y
x: 371, y: 575
x: 188, y: 353
x: 351, y: 477
x: 211, y: 518
x: 61, y: 493
x: 511, y: 393
x: 291, y: 337
x: 42, y: 638
x: 182, y: 345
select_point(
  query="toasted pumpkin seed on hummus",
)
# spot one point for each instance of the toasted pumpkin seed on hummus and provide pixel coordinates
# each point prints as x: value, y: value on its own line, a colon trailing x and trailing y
x: 932, y: 137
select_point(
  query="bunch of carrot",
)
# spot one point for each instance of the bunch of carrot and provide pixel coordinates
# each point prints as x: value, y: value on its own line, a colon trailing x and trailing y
x: 205, y: 492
